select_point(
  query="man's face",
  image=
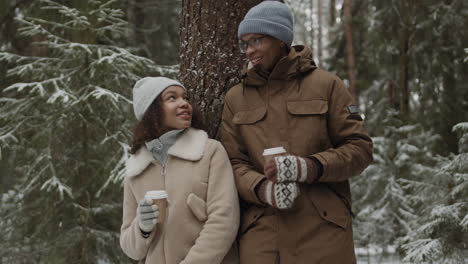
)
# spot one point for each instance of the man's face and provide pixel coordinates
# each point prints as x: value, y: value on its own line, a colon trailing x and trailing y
x: 263, y: 50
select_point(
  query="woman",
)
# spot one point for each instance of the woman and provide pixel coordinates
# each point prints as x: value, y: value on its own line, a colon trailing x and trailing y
x: 170, y: 153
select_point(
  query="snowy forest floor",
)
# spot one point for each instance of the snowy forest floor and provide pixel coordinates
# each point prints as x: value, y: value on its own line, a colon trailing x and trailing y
x: 374, y: 255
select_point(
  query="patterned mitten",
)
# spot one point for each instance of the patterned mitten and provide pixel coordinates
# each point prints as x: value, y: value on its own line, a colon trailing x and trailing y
x: 291, y: 169
x: 278, y: 195
x: 148, y: 214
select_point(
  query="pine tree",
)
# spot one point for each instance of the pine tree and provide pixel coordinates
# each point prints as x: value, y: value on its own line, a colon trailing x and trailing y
x: 384, y: 210
x: 412, y: 84
x: 423, y: 71
x: 210, y: 60
x: 440, y: 233
x: 154, y: 28
x: 64, y: 128
x: 382, y: 204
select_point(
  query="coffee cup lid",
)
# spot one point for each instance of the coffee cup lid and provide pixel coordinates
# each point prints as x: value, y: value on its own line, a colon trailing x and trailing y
x: 160, y: 194
x: 273, y: 151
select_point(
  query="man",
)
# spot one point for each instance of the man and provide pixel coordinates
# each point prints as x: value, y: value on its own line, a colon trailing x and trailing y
x: 297, y: 207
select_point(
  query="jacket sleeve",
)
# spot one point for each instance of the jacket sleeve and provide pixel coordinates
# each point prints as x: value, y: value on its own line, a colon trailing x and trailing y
x: 351, y: 150
x: 245, y: 176
x: 132, y: 242
x: 222, y: 207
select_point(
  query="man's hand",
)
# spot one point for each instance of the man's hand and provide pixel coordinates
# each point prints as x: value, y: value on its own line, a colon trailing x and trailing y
x: 278, y: 195
x: 291, y: 168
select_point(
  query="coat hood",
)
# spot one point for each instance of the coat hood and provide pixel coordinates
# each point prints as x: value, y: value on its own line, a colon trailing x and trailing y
x: 298, y: 63
x: 189, y: 146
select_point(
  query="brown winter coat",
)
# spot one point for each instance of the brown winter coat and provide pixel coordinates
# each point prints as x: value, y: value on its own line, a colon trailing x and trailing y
x: 203, y: 211
x: 310, y: 113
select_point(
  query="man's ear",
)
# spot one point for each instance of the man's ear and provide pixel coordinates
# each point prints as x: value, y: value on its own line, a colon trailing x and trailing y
x: 282, y: 44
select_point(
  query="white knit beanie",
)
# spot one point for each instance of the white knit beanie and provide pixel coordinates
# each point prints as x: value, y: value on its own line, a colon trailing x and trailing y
x: 270, y: 18
x: 147, y: 90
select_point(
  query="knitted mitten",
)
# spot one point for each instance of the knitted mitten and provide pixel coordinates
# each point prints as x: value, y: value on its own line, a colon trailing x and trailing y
x: 291, y: 169
x: 148, y: 214
x: 278, y: 195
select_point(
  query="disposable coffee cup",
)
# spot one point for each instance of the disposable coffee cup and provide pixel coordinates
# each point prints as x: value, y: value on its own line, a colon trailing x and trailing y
x: 270, y: 153
x: 159, y: 197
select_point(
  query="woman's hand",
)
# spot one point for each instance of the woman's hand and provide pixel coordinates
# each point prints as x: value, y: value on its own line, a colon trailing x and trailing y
x: 148, y: 214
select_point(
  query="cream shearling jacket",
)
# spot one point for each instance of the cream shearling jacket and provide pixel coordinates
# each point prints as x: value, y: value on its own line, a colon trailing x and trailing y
x: 203, y: 208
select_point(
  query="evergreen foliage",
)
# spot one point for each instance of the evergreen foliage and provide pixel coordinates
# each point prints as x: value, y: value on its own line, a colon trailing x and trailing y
x: 411, y: 196
x: 386, y: 209
x: 440, y: 233
x: 154, y: 29
x: 65, y: 114
x: 432, y: 56
x: 64, y: 128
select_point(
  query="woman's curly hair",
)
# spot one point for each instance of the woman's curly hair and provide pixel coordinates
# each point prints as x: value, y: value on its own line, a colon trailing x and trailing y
x: 150, y: 127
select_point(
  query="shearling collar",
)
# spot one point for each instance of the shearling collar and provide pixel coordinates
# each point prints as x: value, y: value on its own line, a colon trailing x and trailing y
x: 189, y: 146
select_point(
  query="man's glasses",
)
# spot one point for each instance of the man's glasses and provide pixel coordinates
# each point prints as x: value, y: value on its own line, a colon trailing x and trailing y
x: 253, y: 42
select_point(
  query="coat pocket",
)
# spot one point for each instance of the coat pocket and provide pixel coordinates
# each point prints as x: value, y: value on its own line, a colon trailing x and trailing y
x: 249, y: 117
x: 308, y: 126
x: 329, y: 206
x: 197, y: 206
x: 310, y: 107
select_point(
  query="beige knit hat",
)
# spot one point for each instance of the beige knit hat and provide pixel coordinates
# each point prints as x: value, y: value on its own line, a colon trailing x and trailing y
x: 147, y: 90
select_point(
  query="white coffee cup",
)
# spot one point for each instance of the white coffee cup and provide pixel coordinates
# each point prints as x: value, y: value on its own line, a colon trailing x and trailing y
x: 160, y: 199
x: 270, y: 153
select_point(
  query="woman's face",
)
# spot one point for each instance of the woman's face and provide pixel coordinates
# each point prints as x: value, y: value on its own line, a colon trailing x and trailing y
x: 177, y: 112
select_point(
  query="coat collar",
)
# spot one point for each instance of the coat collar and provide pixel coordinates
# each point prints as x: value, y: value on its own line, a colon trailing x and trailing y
x: 297, y: 63
x: 189, y: 146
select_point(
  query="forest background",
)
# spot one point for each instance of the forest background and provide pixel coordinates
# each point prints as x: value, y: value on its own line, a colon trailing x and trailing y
x: 66, y: 72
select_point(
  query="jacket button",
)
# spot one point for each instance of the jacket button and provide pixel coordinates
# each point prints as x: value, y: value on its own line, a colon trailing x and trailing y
x: 324, y: 213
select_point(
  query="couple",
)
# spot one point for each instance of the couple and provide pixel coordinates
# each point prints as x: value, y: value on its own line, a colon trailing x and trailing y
x: 296, y: 208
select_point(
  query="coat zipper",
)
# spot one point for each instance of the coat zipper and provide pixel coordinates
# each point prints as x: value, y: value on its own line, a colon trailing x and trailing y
x: 163, y: 174
x: 164, y: 170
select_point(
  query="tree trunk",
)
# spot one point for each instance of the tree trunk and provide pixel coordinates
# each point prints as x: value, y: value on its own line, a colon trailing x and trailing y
x: 9, y: 36
x: 304, y: 34
x: 301, y: 15
x: 350, y: 48
x: 393, y: 96
x: 331, y: 22
x: 451, y: 99
x: 136, y: 19
x: 403, y: 68
x: 210, y: 61
x: 312, y: 38
x: 319, y: 35
x: 151, y: 20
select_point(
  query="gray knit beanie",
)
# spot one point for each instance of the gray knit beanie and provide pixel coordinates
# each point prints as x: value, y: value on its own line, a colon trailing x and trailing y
x: 148, y: 89
x: 270, y: 18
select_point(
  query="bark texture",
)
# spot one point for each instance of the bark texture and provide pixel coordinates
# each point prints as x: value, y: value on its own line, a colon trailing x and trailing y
x: 312, y: 38
x: 404, y: 73
x: 350, y: 48
x: 319, y: 31
x: 331, y: 21
x: 210, y: 61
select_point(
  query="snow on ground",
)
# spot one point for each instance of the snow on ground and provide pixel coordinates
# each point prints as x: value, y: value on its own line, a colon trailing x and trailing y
x: 375, y: 255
